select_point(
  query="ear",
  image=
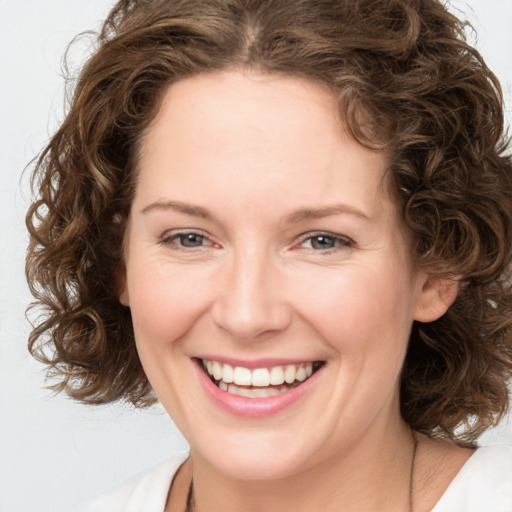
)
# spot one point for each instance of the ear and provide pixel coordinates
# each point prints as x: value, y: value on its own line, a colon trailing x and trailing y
x: 122, y: 287
x: 436, y: 295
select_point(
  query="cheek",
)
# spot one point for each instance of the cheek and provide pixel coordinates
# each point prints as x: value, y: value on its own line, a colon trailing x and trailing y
x: 165, y: 302
x: 359, y: 308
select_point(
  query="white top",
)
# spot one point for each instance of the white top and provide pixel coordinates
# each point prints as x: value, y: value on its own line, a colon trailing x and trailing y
x: 484, y: 484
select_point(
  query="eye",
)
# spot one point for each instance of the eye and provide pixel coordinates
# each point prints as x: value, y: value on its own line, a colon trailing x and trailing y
x: 322, y: 242
x: 325, y: 242
x: 185, y: 240
x: 190, y: 240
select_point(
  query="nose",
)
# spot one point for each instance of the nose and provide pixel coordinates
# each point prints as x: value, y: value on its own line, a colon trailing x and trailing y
x: 250, y: 302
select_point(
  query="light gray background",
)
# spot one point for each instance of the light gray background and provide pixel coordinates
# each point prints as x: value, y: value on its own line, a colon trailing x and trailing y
x: 54, y: 453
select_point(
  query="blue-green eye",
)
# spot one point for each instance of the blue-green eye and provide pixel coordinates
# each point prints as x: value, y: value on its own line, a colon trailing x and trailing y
x: 325, y: 242
x: 185, y: 240
x: 190, y: 240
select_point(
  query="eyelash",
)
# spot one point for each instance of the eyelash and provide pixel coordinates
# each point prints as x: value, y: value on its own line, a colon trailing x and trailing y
x: 340, y: 242
x: 175, y: 241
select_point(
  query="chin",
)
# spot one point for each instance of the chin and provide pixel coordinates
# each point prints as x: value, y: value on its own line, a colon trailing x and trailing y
x: 256, y: 459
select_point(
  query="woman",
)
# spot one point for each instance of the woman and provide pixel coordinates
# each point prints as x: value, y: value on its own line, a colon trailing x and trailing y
x: 291, y: 221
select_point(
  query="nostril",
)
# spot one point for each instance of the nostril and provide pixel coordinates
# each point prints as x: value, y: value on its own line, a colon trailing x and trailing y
x: 251, y: 321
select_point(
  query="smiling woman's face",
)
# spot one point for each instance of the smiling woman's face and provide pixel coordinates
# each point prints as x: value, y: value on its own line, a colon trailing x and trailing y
x: 262, y: 245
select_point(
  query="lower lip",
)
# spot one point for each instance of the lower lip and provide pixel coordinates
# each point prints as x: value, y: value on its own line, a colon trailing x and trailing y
x: 254, y: 407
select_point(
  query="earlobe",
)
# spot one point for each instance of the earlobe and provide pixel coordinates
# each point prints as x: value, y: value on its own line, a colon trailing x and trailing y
x: 436, y: 296
x: 124, y: 298
x: 122, y: 287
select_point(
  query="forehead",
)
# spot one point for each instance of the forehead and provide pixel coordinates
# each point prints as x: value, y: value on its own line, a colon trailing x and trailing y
x: 243, y: 136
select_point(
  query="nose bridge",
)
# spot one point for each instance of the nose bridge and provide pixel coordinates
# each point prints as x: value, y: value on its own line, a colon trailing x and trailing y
x: 251, y: 303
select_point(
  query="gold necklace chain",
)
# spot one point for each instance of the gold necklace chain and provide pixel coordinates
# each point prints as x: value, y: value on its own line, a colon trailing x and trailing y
x: 191, y: 505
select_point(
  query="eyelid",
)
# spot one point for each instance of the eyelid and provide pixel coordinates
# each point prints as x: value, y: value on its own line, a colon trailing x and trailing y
x: 169, y: 236
x: 344, y: 240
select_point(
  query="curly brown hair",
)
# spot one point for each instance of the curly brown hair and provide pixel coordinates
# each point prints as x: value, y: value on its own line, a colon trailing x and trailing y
x: 408, y: 83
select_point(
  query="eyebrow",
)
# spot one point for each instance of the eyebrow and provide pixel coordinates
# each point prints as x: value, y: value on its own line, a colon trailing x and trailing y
x: 188, y: 209
x: 318, y: 213
x: 294, y: 217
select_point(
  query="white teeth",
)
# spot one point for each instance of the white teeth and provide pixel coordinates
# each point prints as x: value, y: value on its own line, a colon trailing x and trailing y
x: 242, y: 376
x: 277, y: 375
x: 301, y: 374
x: 217, y: 370
x: 254, y: 392
x: 225, y: 374
x: 260, y: 377
x: 289, y: 374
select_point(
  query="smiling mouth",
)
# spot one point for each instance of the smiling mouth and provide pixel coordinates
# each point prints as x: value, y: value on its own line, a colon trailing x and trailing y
x: 259, y: 382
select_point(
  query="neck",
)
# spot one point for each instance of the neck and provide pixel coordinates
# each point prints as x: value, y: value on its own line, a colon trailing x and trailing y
x: 374, y: 474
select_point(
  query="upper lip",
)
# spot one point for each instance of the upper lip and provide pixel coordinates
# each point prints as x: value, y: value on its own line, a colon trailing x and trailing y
x: 256, y: 363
